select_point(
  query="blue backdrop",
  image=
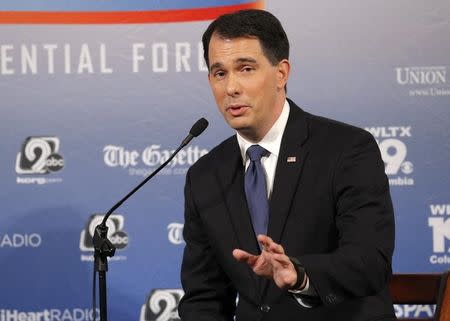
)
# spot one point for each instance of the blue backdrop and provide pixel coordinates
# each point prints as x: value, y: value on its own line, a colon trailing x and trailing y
x: 87, y: 110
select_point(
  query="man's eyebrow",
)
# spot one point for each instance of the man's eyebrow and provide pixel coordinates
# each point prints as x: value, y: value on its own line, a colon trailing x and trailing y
x: 236, y: 62
x: 215, y: 66
x: 246, y: 59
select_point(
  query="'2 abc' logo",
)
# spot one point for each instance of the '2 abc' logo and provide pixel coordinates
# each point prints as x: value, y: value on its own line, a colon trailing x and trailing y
x: 116, y: 234
x: 162, y: 305
x: 39, y: 155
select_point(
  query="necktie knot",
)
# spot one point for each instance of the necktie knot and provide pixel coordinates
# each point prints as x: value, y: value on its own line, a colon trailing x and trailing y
x: 255, y: 152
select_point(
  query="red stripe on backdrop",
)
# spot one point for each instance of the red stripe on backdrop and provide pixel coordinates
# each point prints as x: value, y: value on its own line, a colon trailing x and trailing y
x: 162, y: 16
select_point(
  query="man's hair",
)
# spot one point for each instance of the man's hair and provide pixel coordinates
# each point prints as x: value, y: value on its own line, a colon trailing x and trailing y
x: 251, y: 23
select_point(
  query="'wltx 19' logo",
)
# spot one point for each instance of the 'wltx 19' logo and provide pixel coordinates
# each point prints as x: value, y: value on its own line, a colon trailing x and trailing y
x: 116, y: 234
x: 162, y: 305
x: 439, y: 222
x: 391, y: 141
x: 39, y: 155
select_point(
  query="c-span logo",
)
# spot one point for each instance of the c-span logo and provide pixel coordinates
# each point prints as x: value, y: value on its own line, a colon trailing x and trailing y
x: 392, y: 141
x: 162, y: 305
x: 39, y: 155
x: 414, y: 311
x: 439, y: 222
x: 423, y: 81
x: 116, y: 235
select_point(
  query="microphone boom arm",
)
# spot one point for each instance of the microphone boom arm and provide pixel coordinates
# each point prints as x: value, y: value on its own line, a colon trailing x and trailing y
x: 103, y: 248
x: 117, y: 205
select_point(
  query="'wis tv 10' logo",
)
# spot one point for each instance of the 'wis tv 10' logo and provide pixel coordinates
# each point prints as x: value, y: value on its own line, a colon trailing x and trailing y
x: 116, y: 235
x: 439, y: 222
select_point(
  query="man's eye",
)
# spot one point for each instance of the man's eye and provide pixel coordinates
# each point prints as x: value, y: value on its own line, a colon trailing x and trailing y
x: 219, y: 74
x: 247, y: 68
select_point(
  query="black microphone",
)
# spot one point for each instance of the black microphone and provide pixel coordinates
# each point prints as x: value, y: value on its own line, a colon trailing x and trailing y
x: 198, y: 128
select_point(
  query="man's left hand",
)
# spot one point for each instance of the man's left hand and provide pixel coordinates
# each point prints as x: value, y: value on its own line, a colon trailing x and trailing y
x: 271, y: 263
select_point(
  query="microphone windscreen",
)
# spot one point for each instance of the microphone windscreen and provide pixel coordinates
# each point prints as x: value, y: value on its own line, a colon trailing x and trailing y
x: 199, y: 127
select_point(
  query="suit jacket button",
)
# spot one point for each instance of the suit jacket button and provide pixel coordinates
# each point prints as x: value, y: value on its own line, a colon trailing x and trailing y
x: 264, y: 308
x: 331, y: 298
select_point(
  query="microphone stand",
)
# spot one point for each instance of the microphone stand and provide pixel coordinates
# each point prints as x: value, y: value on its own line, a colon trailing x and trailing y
x: 103, y: 248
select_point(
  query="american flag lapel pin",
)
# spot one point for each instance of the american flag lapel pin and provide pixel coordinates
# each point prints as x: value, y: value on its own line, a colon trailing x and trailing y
x: 291, y: 159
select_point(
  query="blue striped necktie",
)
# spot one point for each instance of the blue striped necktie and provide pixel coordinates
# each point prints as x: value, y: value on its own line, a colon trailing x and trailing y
x: 256, y: 189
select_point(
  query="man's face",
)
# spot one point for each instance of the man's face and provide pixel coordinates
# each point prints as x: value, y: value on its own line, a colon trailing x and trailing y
x: 248, y: 89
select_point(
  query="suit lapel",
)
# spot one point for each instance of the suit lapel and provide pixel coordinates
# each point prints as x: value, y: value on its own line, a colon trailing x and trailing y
x: 289, y: 167
x: 231, y: 179
x: 287, y: 174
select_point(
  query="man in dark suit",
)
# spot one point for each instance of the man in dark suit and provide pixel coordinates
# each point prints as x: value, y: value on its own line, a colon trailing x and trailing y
x: 292, y: 216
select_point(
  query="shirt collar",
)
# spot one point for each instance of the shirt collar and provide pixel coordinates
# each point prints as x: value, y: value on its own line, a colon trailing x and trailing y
x: 272, y: 140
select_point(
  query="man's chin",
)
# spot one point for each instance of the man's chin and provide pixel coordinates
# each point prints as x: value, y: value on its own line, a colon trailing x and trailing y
x: 238, y: 124
x: 245, y: 130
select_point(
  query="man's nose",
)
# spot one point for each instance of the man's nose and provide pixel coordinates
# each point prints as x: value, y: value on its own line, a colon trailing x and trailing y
x: 233, y: 86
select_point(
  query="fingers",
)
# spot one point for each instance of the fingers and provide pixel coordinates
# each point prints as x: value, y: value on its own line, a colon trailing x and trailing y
x: 260, y: 264
x: 282, y: 261
x: 271, y: 263
x: 269, y: 245
x: 284, y: 273
x: 243, y: 256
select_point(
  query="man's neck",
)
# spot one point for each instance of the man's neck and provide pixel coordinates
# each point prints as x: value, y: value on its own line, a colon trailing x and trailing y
x: 256, y: 135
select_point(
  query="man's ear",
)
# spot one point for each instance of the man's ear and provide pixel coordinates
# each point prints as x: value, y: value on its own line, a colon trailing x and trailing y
x: 209, y: 77
x: 283, y: 71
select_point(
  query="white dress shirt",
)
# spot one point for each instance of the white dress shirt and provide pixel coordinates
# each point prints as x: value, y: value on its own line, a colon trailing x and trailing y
x: 271, y: 142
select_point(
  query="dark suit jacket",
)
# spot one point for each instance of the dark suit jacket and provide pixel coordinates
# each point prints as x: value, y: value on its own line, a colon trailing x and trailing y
x: 331, y: 209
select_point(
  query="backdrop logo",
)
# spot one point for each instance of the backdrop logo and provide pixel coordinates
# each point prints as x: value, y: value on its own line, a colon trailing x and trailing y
x: 414, y: 311
x: 116, y: 235
x: 392, y: 143
x: 151, y: 157
x: 75, y: 314
x: 175, y: 233
x: 439, y: 222
x: 39, y: 155
x: 162, y: 305
x: 17, y: 240
x: 423, y: 81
